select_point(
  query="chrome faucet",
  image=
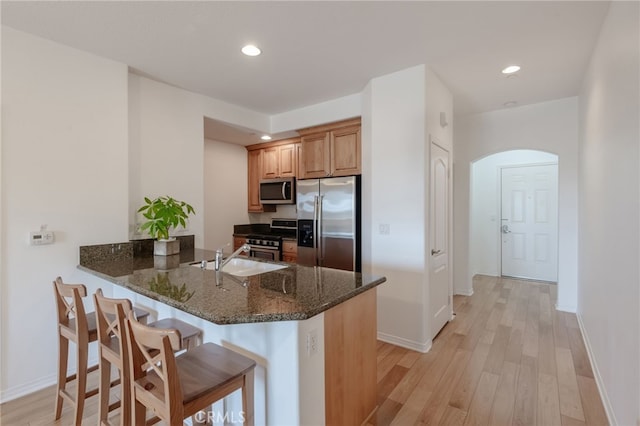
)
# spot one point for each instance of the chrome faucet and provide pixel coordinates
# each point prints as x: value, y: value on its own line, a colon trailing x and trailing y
x: 219, y: 262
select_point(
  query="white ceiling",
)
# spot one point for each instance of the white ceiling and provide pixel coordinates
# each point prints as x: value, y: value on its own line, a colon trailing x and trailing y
x: 316, y: 51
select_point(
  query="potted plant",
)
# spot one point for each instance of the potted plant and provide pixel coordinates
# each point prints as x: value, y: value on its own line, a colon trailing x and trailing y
x: 163, y: 213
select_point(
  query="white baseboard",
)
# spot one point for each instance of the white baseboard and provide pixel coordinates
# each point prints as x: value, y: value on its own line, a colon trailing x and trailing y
x: 27, y: 388
x: 405, y: 343
x: 16, y: 392
x: 565, y: 308
x: 596, y: 374
x: 468, y: 292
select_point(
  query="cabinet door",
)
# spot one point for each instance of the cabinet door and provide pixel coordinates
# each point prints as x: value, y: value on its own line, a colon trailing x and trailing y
x: 315, y: 155
x: 270, y: 161
x: 345, y: 151
x: 255, y: 173
x: 288, y: 160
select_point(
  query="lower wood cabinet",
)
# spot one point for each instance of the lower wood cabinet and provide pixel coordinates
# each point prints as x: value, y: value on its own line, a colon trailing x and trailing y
x: 238, y: 242
x: 290, y: 251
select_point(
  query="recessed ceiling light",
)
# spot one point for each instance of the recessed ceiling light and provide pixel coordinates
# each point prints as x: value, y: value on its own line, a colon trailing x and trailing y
x: 511, y: 69
x: 251, y: 50
x: 510, y: 104
x: 265, y: 137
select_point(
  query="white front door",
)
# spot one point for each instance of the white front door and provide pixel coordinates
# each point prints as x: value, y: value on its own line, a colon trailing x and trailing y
x: 529, y: 226
x: 439, y: 288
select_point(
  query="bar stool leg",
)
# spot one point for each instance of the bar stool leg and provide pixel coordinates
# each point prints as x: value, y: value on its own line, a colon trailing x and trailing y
x: 247, y: 398
x: 63, y: 357
x: 81, y: 382
x: 105, y: 385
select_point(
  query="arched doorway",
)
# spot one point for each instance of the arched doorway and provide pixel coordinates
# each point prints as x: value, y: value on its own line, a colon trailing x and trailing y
x: 513, y: 215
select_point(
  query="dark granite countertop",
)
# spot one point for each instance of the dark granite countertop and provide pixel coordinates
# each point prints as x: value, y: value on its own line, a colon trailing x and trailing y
x: 293, y: 293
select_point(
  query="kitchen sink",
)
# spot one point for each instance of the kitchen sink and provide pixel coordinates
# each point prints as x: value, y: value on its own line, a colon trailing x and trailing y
x: 245, y: 267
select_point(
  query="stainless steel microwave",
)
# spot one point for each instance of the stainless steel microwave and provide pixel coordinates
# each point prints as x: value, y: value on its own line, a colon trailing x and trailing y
x: 278, y: 191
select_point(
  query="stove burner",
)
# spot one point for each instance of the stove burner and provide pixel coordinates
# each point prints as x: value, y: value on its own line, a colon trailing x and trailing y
x: 271, y: 241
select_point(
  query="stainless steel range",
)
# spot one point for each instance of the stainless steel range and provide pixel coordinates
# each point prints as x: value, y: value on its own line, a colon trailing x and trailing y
x: 268, y: 246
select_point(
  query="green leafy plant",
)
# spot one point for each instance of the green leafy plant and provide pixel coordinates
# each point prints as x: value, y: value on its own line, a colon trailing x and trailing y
x: 163, y: 213
x: 162, y: 285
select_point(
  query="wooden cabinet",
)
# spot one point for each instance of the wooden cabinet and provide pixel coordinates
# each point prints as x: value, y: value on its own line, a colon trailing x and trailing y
x: 238, y: 242
x: 279, y: 161
x: 330, y: 150
x: 289, y: 251
x: 268, y: 161
x: 255, y: 164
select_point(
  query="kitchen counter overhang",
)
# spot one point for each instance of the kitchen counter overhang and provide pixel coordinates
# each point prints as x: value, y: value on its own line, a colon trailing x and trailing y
x: 293, y: 293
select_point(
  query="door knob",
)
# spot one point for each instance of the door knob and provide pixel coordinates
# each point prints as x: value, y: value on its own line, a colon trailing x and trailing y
x: 434, y: 252
x: 505, y: 229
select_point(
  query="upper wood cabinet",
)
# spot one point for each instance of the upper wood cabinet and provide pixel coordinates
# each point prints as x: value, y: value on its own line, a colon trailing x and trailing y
x: 268, y: 161
x: 255, y: 164
x: 330, y: 150
x: 280, y: 161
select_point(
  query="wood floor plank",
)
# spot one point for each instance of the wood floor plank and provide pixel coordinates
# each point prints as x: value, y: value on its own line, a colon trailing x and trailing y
x: 548, y: 400
x: 568, y: 421
x: 498, y: 350
x: 387, y: 410
x: 560, y: 338
x: 435, y: 406
x: 453, y: 416
x: 546, y: 349
x: 390, y: 381
x: 569, y: 394
x: 579, y: 353
x: 503, y: 402
x: 462, y: 395
x: 480, y: 409
x: 526, y: 392
x: 594, y: 413
x: 514, y: 348
x: 409, y: 359
x: 389, y: 361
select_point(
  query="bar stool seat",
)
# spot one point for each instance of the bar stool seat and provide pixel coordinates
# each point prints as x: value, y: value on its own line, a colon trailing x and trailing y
x: 112, y: 349
x: 176, y: 387
x: 77, y: 326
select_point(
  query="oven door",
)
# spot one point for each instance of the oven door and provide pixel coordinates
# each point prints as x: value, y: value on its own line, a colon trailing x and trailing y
x: 265, y: 253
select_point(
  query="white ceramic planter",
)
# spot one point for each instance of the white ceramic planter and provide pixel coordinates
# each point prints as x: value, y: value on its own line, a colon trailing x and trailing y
x: 166, y: 247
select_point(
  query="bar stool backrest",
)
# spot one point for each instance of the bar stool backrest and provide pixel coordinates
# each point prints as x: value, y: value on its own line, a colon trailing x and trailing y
x: 151, y: 355
x: 72, y: 317
x: 111, y: 315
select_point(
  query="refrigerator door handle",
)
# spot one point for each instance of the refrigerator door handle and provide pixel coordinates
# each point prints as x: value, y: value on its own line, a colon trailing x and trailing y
x: 315, y: 229
x: 320, y: 242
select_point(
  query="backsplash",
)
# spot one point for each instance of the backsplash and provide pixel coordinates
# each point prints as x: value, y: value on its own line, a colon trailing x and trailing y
x: 285, y: 211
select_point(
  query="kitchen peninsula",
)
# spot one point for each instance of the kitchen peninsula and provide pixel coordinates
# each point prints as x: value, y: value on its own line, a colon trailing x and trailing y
x: 311, y: 330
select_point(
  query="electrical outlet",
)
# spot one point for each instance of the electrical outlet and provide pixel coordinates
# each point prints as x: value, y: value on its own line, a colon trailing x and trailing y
x: 312, y: 342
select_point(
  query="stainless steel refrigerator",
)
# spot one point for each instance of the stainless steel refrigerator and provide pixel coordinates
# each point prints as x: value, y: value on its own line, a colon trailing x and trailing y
x: 329, y: 222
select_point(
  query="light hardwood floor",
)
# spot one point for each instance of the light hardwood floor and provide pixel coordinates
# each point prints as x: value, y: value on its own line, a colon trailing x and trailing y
x: 507, y: 359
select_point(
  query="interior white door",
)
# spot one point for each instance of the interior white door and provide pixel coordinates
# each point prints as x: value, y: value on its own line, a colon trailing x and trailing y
x: 439, y: 286
x: 529, y: 226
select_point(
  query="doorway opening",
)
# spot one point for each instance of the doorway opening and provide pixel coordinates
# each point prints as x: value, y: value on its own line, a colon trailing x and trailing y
x: 514, y: 230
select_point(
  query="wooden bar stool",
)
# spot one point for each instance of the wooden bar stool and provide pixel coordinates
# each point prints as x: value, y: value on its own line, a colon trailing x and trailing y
x: 112, y: 350
x: 75, y: 325
x: 176, y: 387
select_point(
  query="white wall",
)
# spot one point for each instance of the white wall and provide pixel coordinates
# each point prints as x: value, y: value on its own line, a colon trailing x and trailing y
x: 484, y: 232
x: 166, y: 144
x: 225, y: 192
x: 64, y: 153
x: 393, y: 194
x: 608, y: 305
x: 549, y: 126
